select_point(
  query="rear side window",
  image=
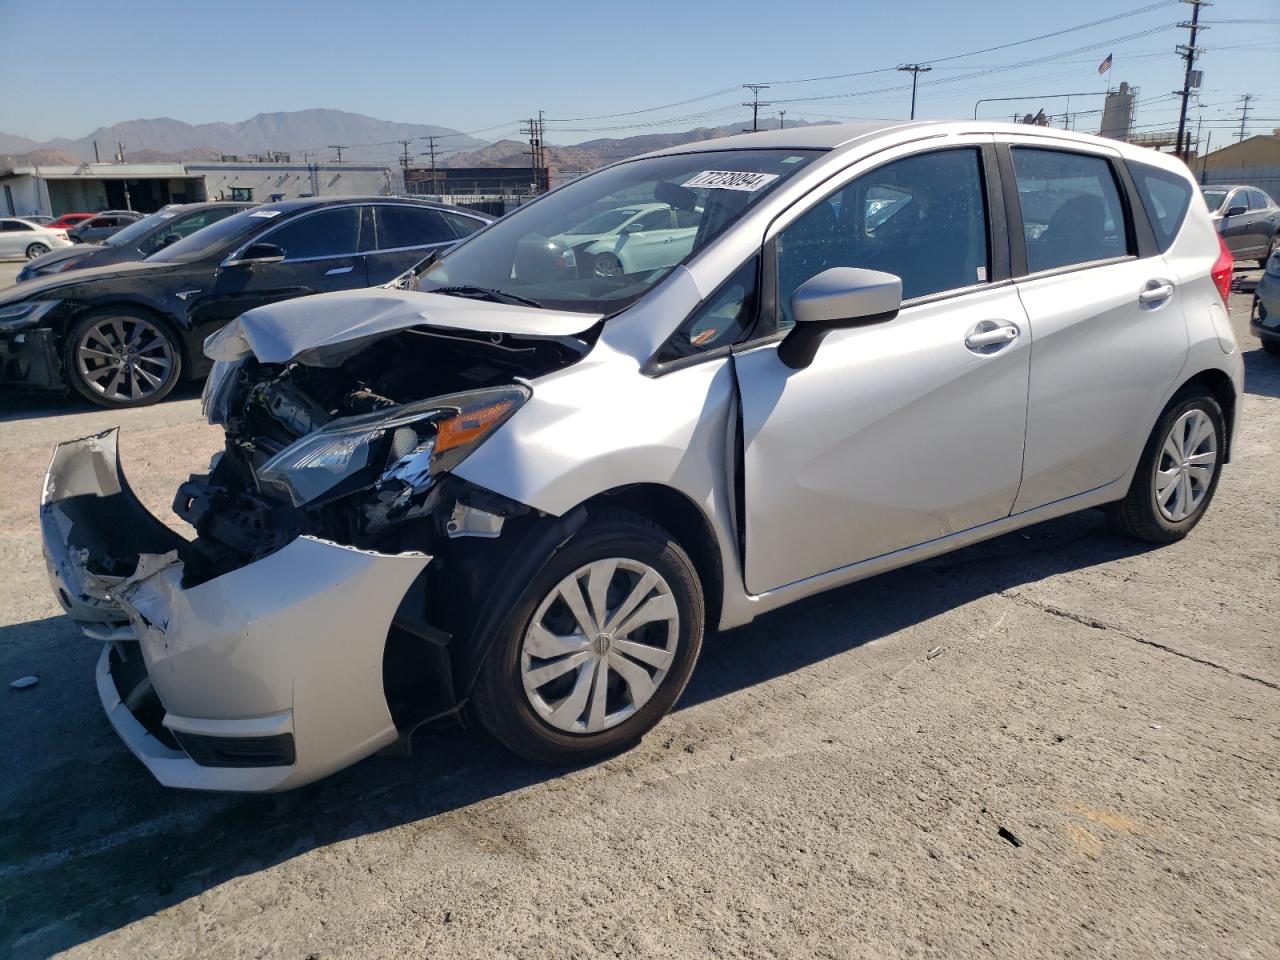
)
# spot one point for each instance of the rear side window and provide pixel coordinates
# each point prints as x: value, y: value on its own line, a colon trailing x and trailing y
x: 1258, y: 200
x: 1071, y: 210
x: 1166, y: 197
x: 463, y: 226
x: 404, y: 226
x: 329, y: 233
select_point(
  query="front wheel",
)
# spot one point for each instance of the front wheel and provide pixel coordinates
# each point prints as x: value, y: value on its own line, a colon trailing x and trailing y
x: 36, y: 250
x: 597, y: 648
x: 1271, y: 251
x: 121, y: 358
x: 1178, y: 473
x: 607, y: 265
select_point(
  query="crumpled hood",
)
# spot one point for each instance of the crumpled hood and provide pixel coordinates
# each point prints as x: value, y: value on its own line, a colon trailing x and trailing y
x: 327, y: 329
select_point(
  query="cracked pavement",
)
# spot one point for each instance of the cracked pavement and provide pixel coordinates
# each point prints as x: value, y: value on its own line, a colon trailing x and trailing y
x: 1088, y: 767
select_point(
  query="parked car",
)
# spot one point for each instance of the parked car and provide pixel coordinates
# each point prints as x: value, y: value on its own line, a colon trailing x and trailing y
x: 1264, y: 319
x: 100, y: 226
x: 1248, y: 220
x: 523, y: 493
x: 22, y: 238
x: 69, y: 220
x: 38, y: 219
x: 631, y: 239
x: 124, y: 334
x: 137, y: 241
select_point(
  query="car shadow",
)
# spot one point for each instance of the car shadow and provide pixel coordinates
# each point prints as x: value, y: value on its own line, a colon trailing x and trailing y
x: 1261, y: 372
x: 90, y: 843
x: 17, y: 405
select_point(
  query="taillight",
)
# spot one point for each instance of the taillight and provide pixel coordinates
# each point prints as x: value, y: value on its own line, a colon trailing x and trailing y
x: 1221, y: 271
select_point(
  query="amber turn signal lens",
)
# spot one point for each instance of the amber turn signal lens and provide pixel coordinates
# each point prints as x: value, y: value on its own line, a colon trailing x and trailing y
x: 469, y: 425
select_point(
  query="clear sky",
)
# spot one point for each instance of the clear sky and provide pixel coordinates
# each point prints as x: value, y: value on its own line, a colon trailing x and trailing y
x: 69, y: 66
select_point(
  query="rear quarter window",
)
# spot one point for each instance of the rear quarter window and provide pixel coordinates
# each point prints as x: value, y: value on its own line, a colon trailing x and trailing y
x: 1166, y: 198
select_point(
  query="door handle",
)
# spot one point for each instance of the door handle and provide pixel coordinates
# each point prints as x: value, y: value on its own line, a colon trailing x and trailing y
x: 337, y: 270
x: 990, y: 334
x: 1156, y: 291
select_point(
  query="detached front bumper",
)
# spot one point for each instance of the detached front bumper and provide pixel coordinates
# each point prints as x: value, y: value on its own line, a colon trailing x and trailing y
x: 264, y: 678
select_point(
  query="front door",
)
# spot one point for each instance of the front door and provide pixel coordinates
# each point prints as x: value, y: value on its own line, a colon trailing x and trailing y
x: 321, y: 254
x: 901, y: 432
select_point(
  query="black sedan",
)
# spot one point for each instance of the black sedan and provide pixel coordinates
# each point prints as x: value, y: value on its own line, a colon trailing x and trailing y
x: 137, y: 241
x: 123, y: 335
x: 102, y: 225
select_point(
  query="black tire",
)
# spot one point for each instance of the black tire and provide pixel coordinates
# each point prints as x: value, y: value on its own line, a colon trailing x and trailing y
x: 84, y: 384
x: 608, y: 266
x: 1272, y: 347
x: 36, y: 250
x: 1138, y: 515
x: 1272, y: 250
x: 499, y: 701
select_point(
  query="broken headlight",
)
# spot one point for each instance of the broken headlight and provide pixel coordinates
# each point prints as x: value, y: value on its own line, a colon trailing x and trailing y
x: 216, y: 397
x: 350, y: 453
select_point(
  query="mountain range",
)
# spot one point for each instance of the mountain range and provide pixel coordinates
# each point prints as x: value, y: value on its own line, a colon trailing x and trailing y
x: 364, y: 139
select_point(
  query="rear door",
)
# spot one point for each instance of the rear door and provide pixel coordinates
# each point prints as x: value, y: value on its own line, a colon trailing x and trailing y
x: 901, y: 432
x: 405, y: 233
x: 15, y: 237
x: 321, y: 254
x: 1105, y: 314
x: 1264, y: 218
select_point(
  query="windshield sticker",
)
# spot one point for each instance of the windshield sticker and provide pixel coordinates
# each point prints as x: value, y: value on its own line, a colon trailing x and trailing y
x: 793, y: 159
x: 167, y: 216
x: 265, y: 213
x: 730, y: 180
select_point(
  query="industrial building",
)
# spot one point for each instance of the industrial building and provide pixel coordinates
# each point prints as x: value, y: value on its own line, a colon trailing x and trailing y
x: 53, y: 190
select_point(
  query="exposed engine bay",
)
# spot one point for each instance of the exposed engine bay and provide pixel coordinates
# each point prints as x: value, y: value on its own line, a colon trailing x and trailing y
x: 359, y: 452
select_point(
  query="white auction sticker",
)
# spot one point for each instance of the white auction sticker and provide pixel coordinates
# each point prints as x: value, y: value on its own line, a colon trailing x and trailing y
x: 265, y: 213
x: 730, y: 180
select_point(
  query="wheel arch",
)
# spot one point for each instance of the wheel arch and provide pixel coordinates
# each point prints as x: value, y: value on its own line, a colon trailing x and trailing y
x: 1220, y: 385
x: 138, y: 306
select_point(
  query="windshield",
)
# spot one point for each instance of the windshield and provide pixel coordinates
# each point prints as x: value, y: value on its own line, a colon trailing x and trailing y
x: 1215, y: 199
x: 137, y: 230
x: 215, y: 237
x: 552, y: 252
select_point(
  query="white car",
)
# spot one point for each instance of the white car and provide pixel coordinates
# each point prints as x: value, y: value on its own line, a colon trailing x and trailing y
x: 25, y: 238
x: 631, y: 239
x: 504, y: 488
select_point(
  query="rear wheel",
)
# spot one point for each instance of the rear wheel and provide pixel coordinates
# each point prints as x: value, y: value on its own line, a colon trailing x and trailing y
x: 598, y: 647
x: 36, y: 250
x: 1178, y: 473
x: 607, y: 265
x: 121, y: 358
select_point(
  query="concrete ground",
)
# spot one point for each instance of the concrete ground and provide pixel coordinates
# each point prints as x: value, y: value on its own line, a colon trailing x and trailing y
x: 1088, y: 766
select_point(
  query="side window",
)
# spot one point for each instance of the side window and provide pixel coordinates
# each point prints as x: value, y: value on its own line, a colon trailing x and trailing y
x: 720, y: 321
x: 1257, y: 200
x: 400, y: 225
x: 463, y: 226
x: 1166, y: 197
x: 922, y: 218
x: 1071, y: 210
x: 329, y: 233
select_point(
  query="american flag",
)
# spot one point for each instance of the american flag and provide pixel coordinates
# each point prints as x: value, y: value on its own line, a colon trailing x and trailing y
x: 1105, y: 65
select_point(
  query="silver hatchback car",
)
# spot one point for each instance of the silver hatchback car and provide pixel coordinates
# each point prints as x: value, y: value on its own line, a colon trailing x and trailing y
x: 515, y: 485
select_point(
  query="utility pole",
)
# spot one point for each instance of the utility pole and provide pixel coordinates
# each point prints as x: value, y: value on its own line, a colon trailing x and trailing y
x: 1188, y: 52
x: 119, y: 151
x: 96, y: 158
x: 915, y: 69
x: 431, y: 153
x: 755, y: 103
x: 1204, y: 159
x: 782, y: 119
x: 537, y: 153
x: 1244, y: 114
x: 338, y: 148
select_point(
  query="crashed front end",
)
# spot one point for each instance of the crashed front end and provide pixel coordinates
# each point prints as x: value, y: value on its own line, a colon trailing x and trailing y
x: 310, y: 621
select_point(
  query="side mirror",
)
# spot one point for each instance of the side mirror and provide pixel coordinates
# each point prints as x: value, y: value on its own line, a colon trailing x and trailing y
x: 837, y: 298
x: 1236, y: 211
x: 258, y: 253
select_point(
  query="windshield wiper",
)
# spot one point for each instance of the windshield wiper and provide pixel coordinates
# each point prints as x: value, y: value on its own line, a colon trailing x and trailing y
x: 485, y: 293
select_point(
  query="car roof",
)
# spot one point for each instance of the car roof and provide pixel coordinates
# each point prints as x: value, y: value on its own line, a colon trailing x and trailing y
x: 311, y: 203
